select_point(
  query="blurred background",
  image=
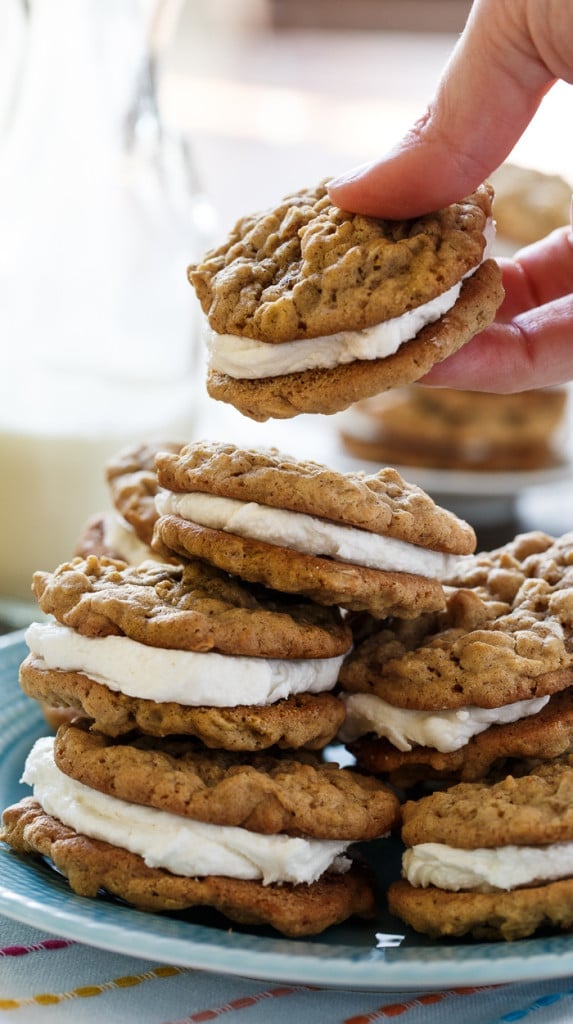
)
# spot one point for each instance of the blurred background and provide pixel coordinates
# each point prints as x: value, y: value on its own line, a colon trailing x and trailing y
x: 133, y: 133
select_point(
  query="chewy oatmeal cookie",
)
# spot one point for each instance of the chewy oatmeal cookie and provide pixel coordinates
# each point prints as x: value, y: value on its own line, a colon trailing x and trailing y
x: 490, y: 860
x: 359, y: 541
x: 298, y: 299
x: 185, y: 649
x: 444, y: 428
x: 443, y: 692
x: 91, y: 865
x: 267, y: 793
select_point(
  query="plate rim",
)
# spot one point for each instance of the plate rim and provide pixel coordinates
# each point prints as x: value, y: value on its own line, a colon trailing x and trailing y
x: 238, y: 953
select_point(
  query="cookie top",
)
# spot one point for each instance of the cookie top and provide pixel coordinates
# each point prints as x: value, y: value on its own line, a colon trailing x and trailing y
x: 528, y: 811
x: 132, y: 482
x: 307, y: 268
x: 506, y: 634
x: 380, y: 502
x: 192, y: 607
x: 266, y: 793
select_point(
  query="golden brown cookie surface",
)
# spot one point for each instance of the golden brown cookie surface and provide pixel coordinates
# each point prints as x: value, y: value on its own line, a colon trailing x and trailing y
x: 91, y: 865
x: 192, y: 607
x: 308, y: 269
x: 380, y: 502
x: 329, y: 390
x: 527, y: 811
x: 529, y: 203
x: 448, y: 429
x: 305, y: 720
x: 481, y: 842
x: 506, y: 635
x: 262, y: 793
x: 498, y: 915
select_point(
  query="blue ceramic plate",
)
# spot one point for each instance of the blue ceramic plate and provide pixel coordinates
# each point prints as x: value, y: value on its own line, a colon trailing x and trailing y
x: 352, y: 956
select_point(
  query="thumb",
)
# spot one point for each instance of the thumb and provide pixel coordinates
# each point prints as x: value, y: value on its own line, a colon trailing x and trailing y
x: 487, y: 95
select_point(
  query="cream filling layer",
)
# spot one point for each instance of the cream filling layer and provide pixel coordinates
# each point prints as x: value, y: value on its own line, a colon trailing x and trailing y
x: 119, y: 536
x: 484, y: 870
x: 307, y: 534
x: 441, y: 730
x: 164, y: 840
x: 190, y: 678
x: 246, y: 359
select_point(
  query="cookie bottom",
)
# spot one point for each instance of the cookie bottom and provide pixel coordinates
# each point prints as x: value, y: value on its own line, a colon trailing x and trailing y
x: 323, y: 580
x: 305, y: 720
x: 91, y: 865
x: 496, y: 915
x: 330, y: 391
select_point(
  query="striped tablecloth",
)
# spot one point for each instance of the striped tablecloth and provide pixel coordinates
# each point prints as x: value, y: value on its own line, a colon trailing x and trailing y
x: 44, y: 978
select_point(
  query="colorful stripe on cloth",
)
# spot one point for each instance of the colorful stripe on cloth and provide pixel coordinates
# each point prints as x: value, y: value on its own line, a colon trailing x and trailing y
x: 243, y: 1003
x: 36, y: 947
x: 89, y: 991
x: 425, y: 999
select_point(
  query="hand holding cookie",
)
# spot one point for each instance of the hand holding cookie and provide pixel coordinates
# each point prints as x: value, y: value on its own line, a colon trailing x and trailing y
x: 480, y: 110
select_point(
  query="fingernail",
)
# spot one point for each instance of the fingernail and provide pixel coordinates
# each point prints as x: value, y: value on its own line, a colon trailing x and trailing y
x: 349, y: 176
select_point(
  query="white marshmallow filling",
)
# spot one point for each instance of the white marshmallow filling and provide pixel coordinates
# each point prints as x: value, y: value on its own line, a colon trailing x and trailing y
x: 486, y: 870
x: 189, y: 678
x: 445, y: 730
x: 306, y: 534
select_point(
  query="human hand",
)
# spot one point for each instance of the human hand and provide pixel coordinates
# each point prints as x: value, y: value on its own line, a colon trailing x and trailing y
x: 510, y: 53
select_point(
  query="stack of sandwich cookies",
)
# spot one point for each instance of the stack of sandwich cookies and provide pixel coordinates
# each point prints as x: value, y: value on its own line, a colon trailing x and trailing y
x: 185, y: 649
x: 181, y: 674
x: 310, y: 308
x: 492, y: 861
x: 456, y: 694
x: 362, y: 542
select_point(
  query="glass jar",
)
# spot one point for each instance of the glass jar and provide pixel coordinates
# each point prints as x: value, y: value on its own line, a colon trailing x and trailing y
x: 98, y: 217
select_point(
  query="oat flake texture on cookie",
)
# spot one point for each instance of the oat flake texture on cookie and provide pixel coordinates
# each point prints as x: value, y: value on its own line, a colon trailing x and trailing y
x: 310, y: 308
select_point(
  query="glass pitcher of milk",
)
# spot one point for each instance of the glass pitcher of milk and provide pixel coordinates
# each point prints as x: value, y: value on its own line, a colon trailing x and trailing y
x: 99, y: 218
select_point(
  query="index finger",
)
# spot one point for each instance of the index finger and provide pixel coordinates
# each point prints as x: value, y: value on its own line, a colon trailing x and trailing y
x: 488, y: 93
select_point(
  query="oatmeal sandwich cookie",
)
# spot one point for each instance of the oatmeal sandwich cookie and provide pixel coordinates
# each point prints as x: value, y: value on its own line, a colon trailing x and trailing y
x: 185, y: 649
x: 443, y: 428
x: 453, y: 694
x: 168, y: 826
x: 491, y: 861
x: 362, y: 542
x: 310, y: 308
